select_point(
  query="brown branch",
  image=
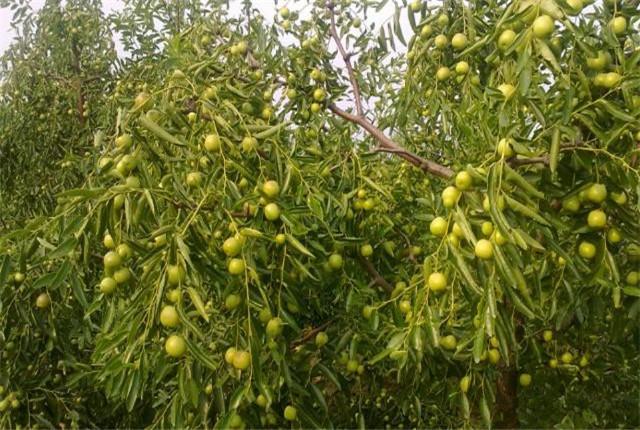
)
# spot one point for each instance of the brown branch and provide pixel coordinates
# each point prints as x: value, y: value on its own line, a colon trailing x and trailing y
x: 253, y: 63
x: 244, y: 213
x: 376, y: 277
x: 517, y: 162
x: 78, y: 80
x: 347, y: 60
x: 407, y: 241
x: 389, y: 145
x: 310, y: 334
x: 182, y: 205
x: 634, y: 157
x: 398, y: 151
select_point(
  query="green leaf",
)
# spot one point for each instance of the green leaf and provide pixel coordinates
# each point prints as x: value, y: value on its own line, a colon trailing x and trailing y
x: 380, y: 356
x: 377, y: 187
x: 132, y: 395
x: 44, y: 281
x: 397, y: 27
x: 160, y: 132
x: 82, y: 192
x: 615, y: 111
x: 478, y: 344
x: 631, y: 291
x: 555, y: 150
x: 493, y: 192
x: 464, y: 270
x: 298, y: 245
x: 184, y: 319
x: 485, y: 412
x: 329, y: 374
x: 200, y: 355
x: 63, y: 249
x: 61, y: 274
x: 198, y: 303
x: 319, y: 397
x: 236, y: 397
x: 547, y: 54
x: 515, y: 178
x: 271, y: 131
x: 526, y: 210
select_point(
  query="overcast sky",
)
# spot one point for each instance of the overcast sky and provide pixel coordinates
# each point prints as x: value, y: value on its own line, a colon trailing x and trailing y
x: 6, y: 33
x: 265, y: 6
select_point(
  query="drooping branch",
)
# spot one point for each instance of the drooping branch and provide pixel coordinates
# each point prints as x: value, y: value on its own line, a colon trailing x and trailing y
x: 386, y: 144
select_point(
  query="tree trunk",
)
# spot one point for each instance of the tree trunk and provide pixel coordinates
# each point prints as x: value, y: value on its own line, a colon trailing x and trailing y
x: 506, y: 408
x: 78, y: 70
x: 507, y: 399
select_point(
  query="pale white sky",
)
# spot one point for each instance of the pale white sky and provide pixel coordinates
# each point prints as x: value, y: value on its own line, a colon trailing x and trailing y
x: 266, y: 7
x: 6, y: 33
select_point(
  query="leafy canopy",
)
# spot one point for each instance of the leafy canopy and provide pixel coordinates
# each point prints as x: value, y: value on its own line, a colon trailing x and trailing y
x: 434, y: 240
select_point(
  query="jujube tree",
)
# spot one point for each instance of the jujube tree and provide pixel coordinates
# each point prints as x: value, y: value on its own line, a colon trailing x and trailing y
x: 271, y: 238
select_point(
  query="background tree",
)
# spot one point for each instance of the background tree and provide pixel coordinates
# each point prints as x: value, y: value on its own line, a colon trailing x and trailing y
x: 54, y: 77
x: 269, y: 238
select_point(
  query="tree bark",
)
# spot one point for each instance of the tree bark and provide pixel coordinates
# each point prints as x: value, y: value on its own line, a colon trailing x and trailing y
x: 507, y: 398
x: 506, y: 409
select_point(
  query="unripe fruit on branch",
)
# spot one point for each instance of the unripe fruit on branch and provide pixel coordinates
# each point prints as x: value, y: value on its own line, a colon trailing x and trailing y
x: 542, y: 26
x: 437, y: 282
x: 175, y: 346
x: 484, y: 249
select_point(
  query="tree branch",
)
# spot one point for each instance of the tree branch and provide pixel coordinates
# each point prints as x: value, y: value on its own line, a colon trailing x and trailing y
x: 388, y: 145
x: 347, y: 60
x: 309, y: 334
x: 377, y: 278
x: 181, y: 205
x: 517, y: 162
x: 78, y: 80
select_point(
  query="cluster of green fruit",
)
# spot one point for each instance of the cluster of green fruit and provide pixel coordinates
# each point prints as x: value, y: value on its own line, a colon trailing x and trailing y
x: 566, y: 358
x: 10, y: 401
x: 115, y: 273
x: 597, y: 219
x: 441, y: 42
x: 541, y: 28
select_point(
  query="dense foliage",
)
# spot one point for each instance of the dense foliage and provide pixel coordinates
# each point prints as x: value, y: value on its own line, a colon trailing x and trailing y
x: 302, y: 223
